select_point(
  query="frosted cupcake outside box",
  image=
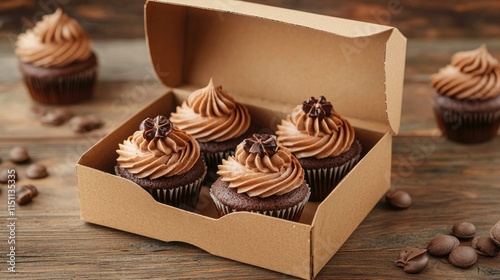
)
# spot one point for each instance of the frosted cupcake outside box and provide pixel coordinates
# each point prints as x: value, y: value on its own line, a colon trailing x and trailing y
x: 467, y: 97
x: 57, y: 61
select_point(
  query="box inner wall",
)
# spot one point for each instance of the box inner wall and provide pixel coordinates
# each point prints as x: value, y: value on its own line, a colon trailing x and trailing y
x: 271, y: 61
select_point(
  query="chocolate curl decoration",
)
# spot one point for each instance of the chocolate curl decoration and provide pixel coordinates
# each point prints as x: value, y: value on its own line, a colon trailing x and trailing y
x: 261, y: 144
x: 158, y: 127
x: 317, y: 108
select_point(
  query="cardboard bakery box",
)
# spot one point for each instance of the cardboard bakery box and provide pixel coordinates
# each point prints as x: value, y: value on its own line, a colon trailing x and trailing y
x: 270, y: 59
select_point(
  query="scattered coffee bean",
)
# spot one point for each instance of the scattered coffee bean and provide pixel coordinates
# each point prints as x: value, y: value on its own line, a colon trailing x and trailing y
x: 85, y: 123
x: 7, y: 174
x: 412, y: 260
x: 25, y: 194
x: 442, y: 245
x: 463, y: 257
x: 485, y: 246
x: 464, y: 230
x: 495, y: 233
x: 399, y: 199
x: 19, y: 155
x: 36, y: 171
x: 57, y: 116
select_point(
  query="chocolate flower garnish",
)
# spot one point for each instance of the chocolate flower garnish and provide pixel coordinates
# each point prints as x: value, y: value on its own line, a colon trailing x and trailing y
x: 317, y: 108
x: 261, y: 144
x: 158, y: 127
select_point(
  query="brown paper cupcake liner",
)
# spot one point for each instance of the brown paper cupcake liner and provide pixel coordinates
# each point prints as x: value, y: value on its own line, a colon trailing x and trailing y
x: 323, y: 180
x: 213, y: 160
x: 65, y: 89
x: 292, y: 213
x: 467, y: 127
x: 185, y: 197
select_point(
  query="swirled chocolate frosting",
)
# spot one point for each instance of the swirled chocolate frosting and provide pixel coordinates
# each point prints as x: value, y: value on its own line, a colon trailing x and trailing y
x: 157, y: 150
x: 472, y: 75
x: 261, y: 168
x: 210, y: 114
x: 55, y: 41
x: 315, y: 129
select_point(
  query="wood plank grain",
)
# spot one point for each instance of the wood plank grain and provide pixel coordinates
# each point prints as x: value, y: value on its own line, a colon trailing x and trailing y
x: 448, y: 182
x: 113, y: 102
x: 442, y: 178
x: 415, y: 18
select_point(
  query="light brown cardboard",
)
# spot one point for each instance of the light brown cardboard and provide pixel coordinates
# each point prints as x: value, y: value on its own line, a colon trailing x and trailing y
x: 271, y: 59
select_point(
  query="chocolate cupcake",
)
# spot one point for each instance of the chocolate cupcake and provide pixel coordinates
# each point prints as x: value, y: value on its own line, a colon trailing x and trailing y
x: 467, y: 97
x: 262, y: 178
x: 164, y: 161
x: 216, y: 121
x: 323, y: 142
x: 56, y: 60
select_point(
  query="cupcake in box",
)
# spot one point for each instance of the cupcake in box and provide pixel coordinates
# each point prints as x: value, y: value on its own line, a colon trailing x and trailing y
x: 467, y: 97
x: 215, y: 120
x: 261, y: 177
x: 56, y: 60
x: 324, y: 143
x: 164, y: 161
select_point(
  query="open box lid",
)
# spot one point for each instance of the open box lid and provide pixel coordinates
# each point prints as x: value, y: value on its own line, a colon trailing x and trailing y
x: 277, y: 57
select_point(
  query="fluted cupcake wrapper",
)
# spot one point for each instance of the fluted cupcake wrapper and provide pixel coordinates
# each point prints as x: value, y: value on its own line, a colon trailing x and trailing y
x: 185, y: 197
x: 213, y: 160
x: 323, y: 180
x: 292, y: 213
x: 66, y: 89
x: 467, y: 127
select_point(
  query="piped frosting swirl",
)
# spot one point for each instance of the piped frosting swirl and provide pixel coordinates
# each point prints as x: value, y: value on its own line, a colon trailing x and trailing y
x: 472, y: 75
x: 309, y: 136
x: 210, y: 114
x: 55, y: 41
x: 173, y: 152
x: 261, y: 174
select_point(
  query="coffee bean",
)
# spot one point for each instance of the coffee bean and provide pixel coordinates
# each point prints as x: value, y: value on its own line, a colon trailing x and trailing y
x: 7, y: 174
x: 399, y: 199
x: 463, y: 257
x: 495, y: 233
x: 36, y: 171
x: 57, y: 116
x: 412, y: 260
x: 25, y: 194
x: 442, y: 245
x: 485, y: 246
x: 19, y: 155
x: 85, y: 123
x: 464, y: 230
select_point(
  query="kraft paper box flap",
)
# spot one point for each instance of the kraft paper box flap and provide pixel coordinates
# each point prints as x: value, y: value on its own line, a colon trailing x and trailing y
x: 271, y: 55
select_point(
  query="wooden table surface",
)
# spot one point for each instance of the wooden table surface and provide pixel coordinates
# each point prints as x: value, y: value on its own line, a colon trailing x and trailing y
x: 448, y: 182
